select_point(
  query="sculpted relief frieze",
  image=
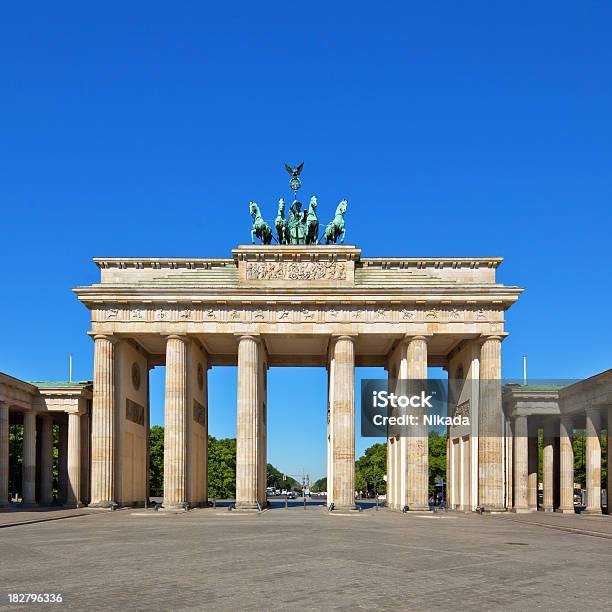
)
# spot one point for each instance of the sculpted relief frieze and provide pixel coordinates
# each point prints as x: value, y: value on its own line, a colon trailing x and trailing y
x: 295, y: 270
x: 299, y: 313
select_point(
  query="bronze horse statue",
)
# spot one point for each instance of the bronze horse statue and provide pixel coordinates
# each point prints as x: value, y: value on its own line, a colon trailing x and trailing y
x: 260, y: 228
x: 280, y: 223
x: 312, y: 222
x: 335, y: 229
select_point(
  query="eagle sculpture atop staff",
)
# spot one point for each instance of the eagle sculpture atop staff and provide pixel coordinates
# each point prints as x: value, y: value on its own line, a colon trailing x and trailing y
x: 294, y: 172
x: 295, y: 182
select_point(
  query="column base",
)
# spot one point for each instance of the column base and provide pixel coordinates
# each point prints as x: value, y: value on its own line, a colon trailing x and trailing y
x: 494, y: 509
x: 352, y: 509
x: 103, y: 504
x: 172, y: 507
x: 565, y: 510
x: 417, y: 508
x: 521, y: 510
x: 247, y: 507
x: 592, y: 511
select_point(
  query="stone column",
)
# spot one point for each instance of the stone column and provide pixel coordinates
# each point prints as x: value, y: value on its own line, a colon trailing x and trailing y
x: 86, y: 458
x: 609, y: 483
x: 103, y: 423
x: 148, y: 437
x: 450, y: 474
x: 344, y: 423
x: 548, y: 476
x: 593, y: 461
x: 390, y: 468
x: 262, y: 430
x: 46, y: 460
x: 73, y: 497
x: 248, y: 437
x: 566, y: 467
x: 490, y: 428
x: 63, y: 461
x: 175, y: 424
x: 330, y: 431
x: 29, y: 458
x: 4, y: 454
x: 521, y: 460
x: 417, y: 443
x: 533, y: 460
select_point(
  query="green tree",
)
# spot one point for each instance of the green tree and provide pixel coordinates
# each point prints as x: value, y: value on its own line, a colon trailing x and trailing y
x: 371, y: 468
x: 319, y: 485
x: 156, y: 461
x: 437, y: 460
x: 221, y: 468
x: 15, y: 458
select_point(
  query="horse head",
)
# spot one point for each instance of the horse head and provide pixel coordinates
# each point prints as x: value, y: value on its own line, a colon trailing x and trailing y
x: 253, y: 209
x: 342, y: 207
x: 281, y: 206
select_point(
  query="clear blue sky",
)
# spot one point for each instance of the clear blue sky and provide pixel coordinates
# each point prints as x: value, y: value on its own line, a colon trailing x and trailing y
x: 143, y: 129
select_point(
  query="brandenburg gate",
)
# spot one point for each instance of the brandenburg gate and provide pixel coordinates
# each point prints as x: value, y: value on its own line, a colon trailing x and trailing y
x: 289, y: 305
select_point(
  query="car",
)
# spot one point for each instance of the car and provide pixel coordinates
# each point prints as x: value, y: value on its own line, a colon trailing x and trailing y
x: 291, y: 495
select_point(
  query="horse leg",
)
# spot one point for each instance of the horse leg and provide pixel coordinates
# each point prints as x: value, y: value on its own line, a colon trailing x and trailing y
x: 343, y: 234
x: 253, y: 236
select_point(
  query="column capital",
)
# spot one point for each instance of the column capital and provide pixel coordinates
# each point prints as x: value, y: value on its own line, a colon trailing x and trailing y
x: 183, y: 337
x: 411, y: 337
x: 498, y: 336
x: 351, y: 337
x: 255, y: 337
x: 110, y: 337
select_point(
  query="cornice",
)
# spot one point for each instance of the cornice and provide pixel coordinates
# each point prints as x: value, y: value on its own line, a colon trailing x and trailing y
x: 256, y: 252
x: 104, y: 293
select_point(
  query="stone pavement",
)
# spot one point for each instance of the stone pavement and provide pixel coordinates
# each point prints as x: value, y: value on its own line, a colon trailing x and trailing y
x: 281, y: 559
x: 11, y: 517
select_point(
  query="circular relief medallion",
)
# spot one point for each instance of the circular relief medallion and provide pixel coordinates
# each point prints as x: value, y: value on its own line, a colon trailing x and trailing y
x: 136, y: 376
x: 200, y: 376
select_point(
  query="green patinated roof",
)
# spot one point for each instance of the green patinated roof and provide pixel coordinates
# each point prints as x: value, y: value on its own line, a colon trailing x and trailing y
x: 538, y: 387
x: 63, y: 384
